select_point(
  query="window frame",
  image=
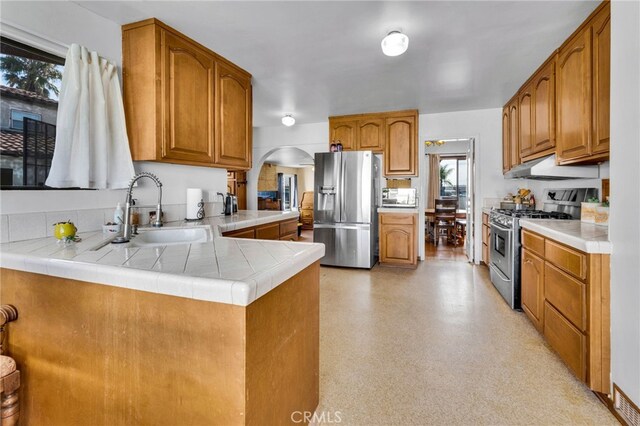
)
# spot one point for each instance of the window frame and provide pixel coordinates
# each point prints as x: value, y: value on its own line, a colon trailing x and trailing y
x: 25, y: 114
x: 458, y: 158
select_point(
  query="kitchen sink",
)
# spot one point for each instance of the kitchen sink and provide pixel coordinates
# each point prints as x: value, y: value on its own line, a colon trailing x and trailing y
x: 171, y: 236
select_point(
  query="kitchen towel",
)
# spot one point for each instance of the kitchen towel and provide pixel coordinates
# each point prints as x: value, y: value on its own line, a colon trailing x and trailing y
x: 92, y: 147
x: 194, y: 196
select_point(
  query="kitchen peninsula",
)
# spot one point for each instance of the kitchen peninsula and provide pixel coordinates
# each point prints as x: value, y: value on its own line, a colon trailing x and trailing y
x: 219, y: 332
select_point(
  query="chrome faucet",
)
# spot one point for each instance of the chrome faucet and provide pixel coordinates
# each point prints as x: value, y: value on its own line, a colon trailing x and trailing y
x: 126, y: 232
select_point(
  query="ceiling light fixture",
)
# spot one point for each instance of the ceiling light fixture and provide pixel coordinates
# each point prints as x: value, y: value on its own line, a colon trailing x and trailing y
x: 288, y: 120
x: 395, y: 43
x: 438, y: 143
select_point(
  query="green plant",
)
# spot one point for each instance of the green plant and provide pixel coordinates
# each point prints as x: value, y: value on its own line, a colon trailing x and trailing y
x: 445, y: 171
x: 593, y: 200
x: 30, y: 74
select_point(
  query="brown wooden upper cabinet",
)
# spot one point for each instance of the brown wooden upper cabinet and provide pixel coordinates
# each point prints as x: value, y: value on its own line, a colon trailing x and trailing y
x: 564, y: 107
x: 506, y: 154
x: 394, y: 134
x: 371, y: 134
x: 400, y: 154
x: 344, y: 131
x: 537, y: 113
x: 184, y: 103
x: 510, y: 135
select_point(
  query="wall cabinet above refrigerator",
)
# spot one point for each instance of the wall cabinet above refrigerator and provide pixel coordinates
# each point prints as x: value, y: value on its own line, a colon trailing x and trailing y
x: 393, y: 134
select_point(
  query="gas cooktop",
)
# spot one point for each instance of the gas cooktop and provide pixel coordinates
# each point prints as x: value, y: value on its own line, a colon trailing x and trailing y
x: 534, y: 214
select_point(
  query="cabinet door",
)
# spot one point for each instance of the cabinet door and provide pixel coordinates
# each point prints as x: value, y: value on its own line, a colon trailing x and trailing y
x: 371, y: 135
x: 400, y: 157
x: 514, y: 133
x: 397, y: 244
x: 601, y: 30
x: 233, y: 118
x: 525, y: 102
x: 544, y: 111
x: 345, y: 132
x: 188, y: 90
x: 506, y: 154
x: 573, y: 115
x: 532, y: 287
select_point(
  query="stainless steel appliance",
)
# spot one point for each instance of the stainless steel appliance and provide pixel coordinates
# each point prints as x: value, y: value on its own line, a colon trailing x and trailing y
x: 399, y: 197
x: 545, y: 168
x: 504, y: 248
x: 345, y: 219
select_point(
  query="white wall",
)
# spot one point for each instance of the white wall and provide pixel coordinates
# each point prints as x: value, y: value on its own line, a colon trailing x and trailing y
x: 624, y: 231
x: 66, y: 23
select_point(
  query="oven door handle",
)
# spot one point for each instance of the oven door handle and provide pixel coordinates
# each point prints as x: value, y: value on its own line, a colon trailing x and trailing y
x: 500, y: 227
x: 497, y: 270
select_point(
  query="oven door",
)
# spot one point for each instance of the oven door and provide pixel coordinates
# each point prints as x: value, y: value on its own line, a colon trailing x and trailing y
x: 501, y: 249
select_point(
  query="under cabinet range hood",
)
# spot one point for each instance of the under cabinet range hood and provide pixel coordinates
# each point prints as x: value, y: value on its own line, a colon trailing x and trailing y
x: 545, y: 168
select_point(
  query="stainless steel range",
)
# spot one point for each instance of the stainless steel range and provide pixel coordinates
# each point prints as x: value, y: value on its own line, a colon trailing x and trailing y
x: 504, y: 250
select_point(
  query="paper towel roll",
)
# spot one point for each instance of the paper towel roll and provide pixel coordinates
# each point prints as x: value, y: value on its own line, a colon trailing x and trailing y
x: 194, y: 195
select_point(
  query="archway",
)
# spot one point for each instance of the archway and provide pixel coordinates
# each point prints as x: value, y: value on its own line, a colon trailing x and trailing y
x: 280, y: 178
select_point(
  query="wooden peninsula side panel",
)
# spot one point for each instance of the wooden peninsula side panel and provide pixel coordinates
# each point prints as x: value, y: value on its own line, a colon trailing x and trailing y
x: 103, y: 355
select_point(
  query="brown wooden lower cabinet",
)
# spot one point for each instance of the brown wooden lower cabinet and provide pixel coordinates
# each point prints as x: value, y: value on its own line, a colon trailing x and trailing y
x: 486, y: 235
x: 286, y: 230
x: 97, y: 354
x: 565, y: 293
x: 532, y: 287
x: 398, y: 239
x: 241, y: 233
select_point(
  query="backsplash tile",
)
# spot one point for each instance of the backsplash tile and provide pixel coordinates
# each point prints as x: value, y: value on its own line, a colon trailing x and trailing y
x: 4, y: 228
x: 55, y: 217
x: 90, y: 220
x: 27, y: 226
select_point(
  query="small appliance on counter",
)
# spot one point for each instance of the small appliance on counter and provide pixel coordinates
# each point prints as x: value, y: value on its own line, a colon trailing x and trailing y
x: 399, y: 197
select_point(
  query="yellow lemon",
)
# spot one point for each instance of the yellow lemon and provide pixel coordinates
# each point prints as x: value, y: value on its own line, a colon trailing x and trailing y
x: 64, y: 230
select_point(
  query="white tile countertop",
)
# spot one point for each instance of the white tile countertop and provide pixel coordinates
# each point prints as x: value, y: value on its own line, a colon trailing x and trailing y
x: 397, y: 210
x: 586, y: 237
x: 226, y: 270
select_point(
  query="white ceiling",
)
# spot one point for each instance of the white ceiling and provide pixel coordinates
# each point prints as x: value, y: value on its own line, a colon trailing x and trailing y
x: 316, y: 59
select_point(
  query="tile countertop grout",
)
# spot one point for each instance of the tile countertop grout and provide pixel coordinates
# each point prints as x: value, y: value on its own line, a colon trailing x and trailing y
x: 586, y: 237
x: 225, y: 270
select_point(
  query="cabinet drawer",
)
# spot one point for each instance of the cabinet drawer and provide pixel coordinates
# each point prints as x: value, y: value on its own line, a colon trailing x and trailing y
x: 306, y: 214
x: 241, y: 233
x: 533, y: 242
x: 397, y: 219
x: 566, y: 340
x: 567, y: 295
x: 569, y: 260
x: 270, y: 231
x: 288, y: 227
x: 290, y: 237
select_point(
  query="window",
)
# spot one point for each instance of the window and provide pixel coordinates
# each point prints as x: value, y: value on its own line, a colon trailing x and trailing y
x: 453, y: 179
x: 18, y: 116
x: 30, y: 82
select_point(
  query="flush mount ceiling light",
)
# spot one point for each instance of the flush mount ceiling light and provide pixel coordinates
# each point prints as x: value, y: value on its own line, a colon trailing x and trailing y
x: 395, y: 43
x: 288, y: 120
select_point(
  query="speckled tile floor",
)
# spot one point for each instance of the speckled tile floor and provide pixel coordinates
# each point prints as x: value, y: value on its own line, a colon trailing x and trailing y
x: 438, y: 346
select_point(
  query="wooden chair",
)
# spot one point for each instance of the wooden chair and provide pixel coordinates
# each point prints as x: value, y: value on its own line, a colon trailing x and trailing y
x: 445, y: 218
x: 9, y: 374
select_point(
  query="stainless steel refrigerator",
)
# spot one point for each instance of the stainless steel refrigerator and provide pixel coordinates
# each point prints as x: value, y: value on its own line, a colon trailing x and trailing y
x: 345, y: 217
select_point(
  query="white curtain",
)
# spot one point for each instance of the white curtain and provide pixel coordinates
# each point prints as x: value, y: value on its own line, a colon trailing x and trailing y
x: 92, y: 148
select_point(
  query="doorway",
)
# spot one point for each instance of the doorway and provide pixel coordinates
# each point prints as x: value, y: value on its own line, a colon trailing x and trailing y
x: 449, y: 202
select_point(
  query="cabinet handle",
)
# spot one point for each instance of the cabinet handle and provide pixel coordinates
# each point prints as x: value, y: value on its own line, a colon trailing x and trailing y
x: 528, y: 261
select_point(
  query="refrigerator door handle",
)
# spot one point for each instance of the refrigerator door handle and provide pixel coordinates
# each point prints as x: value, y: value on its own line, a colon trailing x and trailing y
x: 364, y: 226
x: 343, y: 171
